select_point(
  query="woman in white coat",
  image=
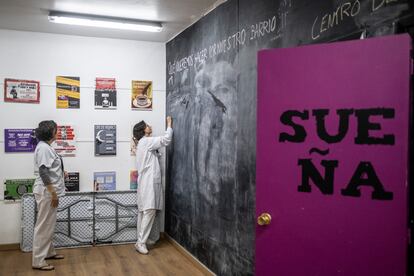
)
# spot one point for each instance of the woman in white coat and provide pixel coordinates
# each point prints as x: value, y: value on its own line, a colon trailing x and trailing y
x: 48, y: 187
x: 149, y: 190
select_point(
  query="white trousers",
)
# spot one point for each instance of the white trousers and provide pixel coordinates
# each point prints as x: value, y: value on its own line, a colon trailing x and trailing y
x: 145, y: 220
x: 44, y: 229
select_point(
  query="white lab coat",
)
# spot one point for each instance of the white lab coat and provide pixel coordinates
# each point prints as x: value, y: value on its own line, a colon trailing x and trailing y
x: 149, y: 190
x: 44, y: 229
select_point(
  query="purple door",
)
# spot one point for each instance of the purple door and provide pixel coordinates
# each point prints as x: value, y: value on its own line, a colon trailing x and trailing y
x: 332, y: 159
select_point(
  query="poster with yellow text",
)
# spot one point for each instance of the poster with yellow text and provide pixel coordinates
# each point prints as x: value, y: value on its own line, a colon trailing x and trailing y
x: 67, y: 92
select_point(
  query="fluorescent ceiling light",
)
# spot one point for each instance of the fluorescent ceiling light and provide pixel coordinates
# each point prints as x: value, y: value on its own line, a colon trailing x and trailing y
x: 104, y: 22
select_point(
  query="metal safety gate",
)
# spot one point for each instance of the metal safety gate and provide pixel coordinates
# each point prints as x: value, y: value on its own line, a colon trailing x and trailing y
x: 88, y: 218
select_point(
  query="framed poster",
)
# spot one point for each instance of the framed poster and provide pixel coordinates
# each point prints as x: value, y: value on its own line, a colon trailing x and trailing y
x: 72, y: 182
x: 141, y: 96
x: 105, y: 140
x: 21, y: 91
x: 65, y: 144
x: 104, y: 181
x: 19, y: 140
x: 67, y: 92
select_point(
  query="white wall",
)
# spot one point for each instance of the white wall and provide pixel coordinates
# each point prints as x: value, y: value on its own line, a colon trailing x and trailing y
x: 42, y: 57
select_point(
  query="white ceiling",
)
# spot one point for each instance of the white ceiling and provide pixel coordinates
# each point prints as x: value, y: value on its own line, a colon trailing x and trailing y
x: 175, y: 16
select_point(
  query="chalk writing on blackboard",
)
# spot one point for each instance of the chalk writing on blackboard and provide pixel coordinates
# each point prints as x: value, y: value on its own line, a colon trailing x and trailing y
x: 358, y: 11
x: 272, y: 25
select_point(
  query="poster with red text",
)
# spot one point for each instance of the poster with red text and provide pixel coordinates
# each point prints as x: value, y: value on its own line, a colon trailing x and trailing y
x: 65, y: 144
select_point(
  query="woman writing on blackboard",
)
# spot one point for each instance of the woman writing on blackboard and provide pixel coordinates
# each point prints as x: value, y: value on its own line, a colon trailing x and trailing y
x: 48, y: 187
x: 149, y: 190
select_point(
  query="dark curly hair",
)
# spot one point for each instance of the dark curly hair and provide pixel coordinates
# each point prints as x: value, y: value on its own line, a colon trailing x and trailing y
x: 46, y: 130
x: 139, y: 130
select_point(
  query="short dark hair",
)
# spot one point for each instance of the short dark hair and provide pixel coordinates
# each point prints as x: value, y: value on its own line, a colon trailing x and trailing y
x: 139, y: 130
x: 46, y: 130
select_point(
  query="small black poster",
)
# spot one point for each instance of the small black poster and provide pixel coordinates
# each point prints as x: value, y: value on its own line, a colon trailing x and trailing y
x: 72, y: 182
x: 105, y: 93
x: 105, y: 99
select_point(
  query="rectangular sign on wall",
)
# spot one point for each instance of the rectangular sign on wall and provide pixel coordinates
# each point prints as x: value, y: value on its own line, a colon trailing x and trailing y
x: 72, y: 182
x: 104, y: 181
x: 21, y: 91
x: 105, y: 93
x: 65, y: 143
x: 67, y: 92
x: 141, y: 97
x: 19, y: 140
x: 105, y: 83
x: 15, y: 188
x: 133, y: 179
x: 105, y: 139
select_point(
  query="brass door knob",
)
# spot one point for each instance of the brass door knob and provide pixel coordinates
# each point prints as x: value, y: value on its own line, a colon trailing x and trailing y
x: 264, y: 219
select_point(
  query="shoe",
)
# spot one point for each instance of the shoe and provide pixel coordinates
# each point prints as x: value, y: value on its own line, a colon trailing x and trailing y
x: 141, y: 248
x: 45, y: 267
x: 55, y: 257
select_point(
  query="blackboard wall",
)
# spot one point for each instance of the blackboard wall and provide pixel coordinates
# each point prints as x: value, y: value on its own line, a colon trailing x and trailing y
x: 211, y: 94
